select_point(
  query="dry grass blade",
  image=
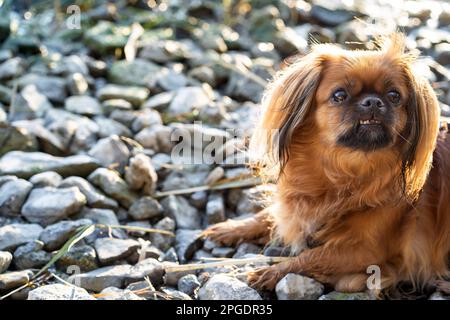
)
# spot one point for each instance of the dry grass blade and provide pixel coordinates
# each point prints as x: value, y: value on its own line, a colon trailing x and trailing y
x: 133, y: 228
x: 220, y: 185
x: 82, y: 233
x: 227, y: 262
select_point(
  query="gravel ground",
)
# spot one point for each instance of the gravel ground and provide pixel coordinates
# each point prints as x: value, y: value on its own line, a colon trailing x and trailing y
x: 88, y: 118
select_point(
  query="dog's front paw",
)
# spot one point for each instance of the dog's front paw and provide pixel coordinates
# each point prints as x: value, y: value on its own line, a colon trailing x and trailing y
x: 265, y: 278
x: 224, y: 233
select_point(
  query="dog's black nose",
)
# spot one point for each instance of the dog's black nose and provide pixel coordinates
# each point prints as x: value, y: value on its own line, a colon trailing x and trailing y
x: 372, y: 102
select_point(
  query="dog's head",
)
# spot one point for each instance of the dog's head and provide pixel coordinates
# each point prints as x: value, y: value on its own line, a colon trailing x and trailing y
x: 363, y: 103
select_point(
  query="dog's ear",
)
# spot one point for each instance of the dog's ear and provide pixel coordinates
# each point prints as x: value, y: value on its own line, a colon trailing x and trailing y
x: 422, y: 125
x: 286, y: 104
x: 421, y: 132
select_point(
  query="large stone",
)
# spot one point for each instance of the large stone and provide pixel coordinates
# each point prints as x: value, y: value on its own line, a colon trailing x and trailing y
x: 95, y: 198
x: 162, y: 241
x: 138, y: 72
x: 31, y: 256
x: 188, y: 99
x: 26, y: 164
x: 110, y: 151
x: 150, y: 267
x: 84, y: 105
x: 185, y: 215
x: 82, y: 256
x: 223, y: 287
x: 5, y: 260
x: 187, y: 242
x: 14, y: 279
x: 46, y: 179
x: 297, y: 287
x: 113, y: 185
x: 59, y: 291
x: 54, y: 236
x: 112, y: 293
x: 13, y: 138
x: 14, y: 235
x: 13, y: 195
x: 133, y: 94
x: 53, y: 88
x: 110, y: 249
x: 48, y: 205
x: 30, y: 104
x: 99, y: 279
x: 145, y: 208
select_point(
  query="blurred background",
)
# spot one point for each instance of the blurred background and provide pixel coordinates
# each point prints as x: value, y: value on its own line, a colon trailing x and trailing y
x: 91, y: 92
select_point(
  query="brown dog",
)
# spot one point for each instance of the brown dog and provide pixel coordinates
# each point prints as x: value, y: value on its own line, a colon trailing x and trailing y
x: 357, y: 134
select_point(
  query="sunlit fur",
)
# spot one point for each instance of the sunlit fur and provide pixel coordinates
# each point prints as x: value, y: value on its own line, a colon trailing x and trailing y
x: 354, y: 208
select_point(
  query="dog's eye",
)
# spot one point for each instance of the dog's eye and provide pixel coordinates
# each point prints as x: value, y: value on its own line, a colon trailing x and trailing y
x: 394, y: 96
x: 339, y: 96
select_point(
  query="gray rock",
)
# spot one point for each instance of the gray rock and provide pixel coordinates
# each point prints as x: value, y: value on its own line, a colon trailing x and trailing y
x: 151, y: 268
x: 187, y: 100
x: 146, y: 118
x: 116, y: 105
x: 30, y: 104
x: 99, y: 279
x: 14, y: 235
x: 113, y: 293
x: 171, y: 255
x: 53, y: 88
x: 5, y: 260
x: 11, y: 68
x: 14, y: 279
x: 46, y: 179
x: 15, y: 138
x: 171, y: 79
x: 31, y: 256
x: 215, y: 208
x: 161, y: 241
x: 159, y: 101
x: 175, y: 294
x: 145, y: 208
x: 51, y: 140
x: 141, y: 175
x: 179, y: 209
x: 110, y: 151
x: 135, y: 95
x: 82, y: 256
x: 48, y: 205
x: 335, y: 295
x: 26, y: 164
x: 189, y: 285
x: 95, y: 198
x: 13, y: 195
x: 297, y: 287
x: 56, y: 235
x: 110, y: 249
x: 59, y: 291
x: 222, y: 287
x: 84, y: 105
x: 187, y: 242
x: 113, y: 185
x: 138, y: 72
x: 109, y: 127
x: 198, y: 199
x: 331, y: 17
x: 5, y: 179
x: 156, y: 137
x: 246, y: 248
x: 223, y: 252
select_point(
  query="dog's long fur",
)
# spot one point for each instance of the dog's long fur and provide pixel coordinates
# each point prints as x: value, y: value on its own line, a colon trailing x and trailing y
x: 354, y: 208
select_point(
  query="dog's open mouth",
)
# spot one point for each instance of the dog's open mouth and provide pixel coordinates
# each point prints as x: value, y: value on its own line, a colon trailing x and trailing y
x: 370, y: 122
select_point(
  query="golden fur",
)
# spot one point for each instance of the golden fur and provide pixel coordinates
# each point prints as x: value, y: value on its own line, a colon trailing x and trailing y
x: 345, y: 209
